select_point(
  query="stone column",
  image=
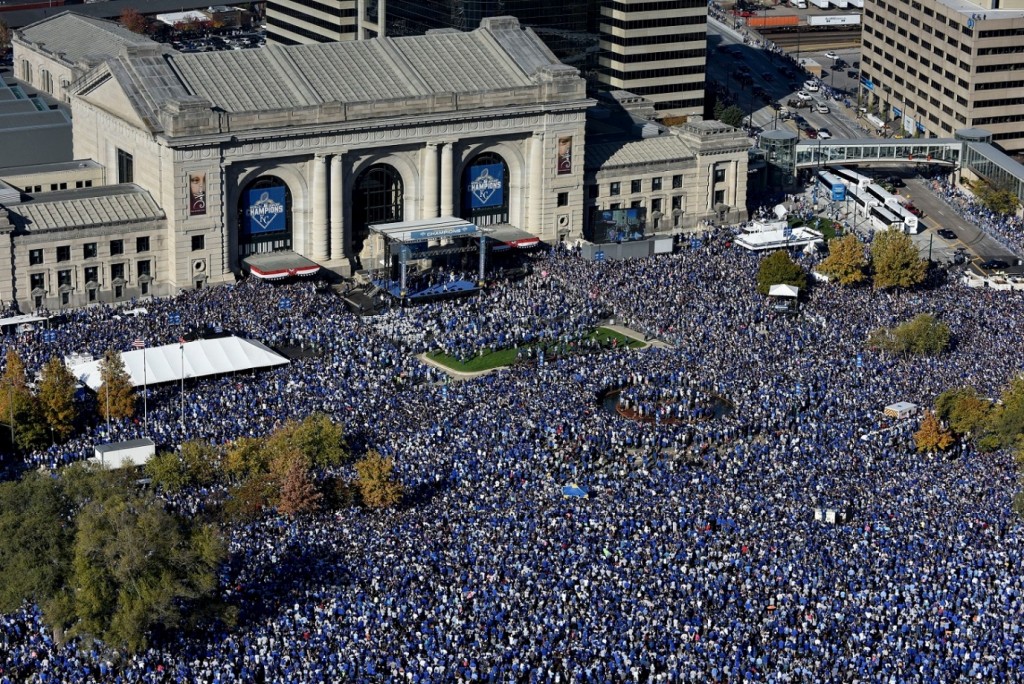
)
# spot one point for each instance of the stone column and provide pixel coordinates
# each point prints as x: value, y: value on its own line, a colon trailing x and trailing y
x: 430, y: 181
x: 536, y: 184
x: 711, y: 187
x: 318, y: 232
x: 731, y: 182
x: 337, y: 210
x: 447, y: 194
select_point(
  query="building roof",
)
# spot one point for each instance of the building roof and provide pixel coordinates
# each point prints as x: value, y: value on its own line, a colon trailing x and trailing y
x: 438, y: 68
x: 665, y: 148
x: 98, y: 206
x: 278, y: 77
x: 79, y: 38
x: 53, y: 167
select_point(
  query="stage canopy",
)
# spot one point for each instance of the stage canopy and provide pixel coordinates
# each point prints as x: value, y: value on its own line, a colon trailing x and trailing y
x: 201, y: 358
x: 278, y: 265
x: 22, y: 319
x: 510, y: 237
x: 425, y: 229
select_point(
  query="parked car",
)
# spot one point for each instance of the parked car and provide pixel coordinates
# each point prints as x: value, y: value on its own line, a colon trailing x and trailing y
x: 832, y: 54
x: 994, y: 265
x: 810, y: 132
x: 909, y: 206
x: 811, y: 86
x: 821, y: 108
x: 896, y: 182
x: 946, y: 233
x: 824, y: 133
x: 803, y: 95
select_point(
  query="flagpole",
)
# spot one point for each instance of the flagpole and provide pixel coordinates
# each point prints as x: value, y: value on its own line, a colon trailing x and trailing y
x: 145, y: 392
x: 181, y: 346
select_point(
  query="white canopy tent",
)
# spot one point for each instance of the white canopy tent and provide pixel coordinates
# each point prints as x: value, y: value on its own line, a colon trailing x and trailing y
x: 783, y: 290
x: 172, y: 362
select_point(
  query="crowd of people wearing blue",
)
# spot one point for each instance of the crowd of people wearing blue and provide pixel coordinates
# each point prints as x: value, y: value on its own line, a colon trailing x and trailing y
x: 696, y: 557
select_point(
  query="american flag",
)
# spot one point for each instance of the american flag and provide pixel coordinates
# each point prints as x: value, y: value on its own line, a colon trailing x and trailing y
x: 139, y: 343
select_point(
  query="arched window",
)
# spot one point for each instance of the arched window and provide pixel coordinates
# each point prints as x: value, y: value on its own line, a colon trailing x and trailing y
x: 379, y: 197
x: 264, y: 217
x: 485, y: 190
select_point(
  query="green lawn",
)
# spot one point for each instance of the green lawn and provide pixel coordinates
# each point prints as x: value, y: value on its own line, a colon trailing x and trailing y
x: 506, y: 357
x: 495, y: 359
x: 604, y: 335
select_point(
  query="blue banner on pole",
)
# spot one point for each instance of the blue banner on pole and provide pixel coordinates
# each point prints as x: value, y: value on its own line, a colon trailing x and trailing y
x: 265, y: 212
x: 174, y: 318
x: 485, y: 185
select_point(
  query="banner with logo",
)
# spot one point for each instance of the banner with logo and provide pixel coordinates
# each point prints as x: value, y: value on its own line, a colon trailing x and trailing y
x: 485, y: 185
x: 564, y: 155
x: 265, y: 212
x: 197, y: 193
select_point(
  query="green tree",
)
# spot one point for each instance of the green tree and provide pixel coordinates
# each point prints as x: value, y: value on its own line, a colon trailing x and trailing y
x: 846, y: 263
x: 248, y: 499
x: 34, y: 540
x: 134, y: 567
x: 779, y: 269
x: 895, y: 261
x: 319, y: 442
x: 299, y: 494
x: 963, y: 410
x: 923, y: 335
x: 932, y: 436
x: 31, y: 430
x: 995, y: 198
x: 731, y: 116
x: 116, y: 395
x: 1005, y: 425
x: 13, y: 385
x: 246, y: 457
x: 376, y: 481
x: 57, y: 398
x: 167, y: 471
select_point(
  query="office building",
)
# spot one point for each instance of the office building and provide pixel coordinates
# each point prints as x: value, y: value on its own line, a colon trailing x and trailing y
x: 931, y: 67
x: 657, y: 50
x: 568, y: 28
x: 300, y: 22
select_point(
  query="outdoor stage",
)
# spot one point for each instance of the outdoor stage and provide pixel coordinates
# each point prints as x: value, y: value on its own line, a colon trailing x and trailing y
x: 449, y: 288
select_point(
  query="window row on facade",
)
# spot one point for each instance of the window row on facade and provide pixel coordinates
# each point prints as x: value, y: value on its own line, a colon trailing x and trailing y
x: 90, y: 250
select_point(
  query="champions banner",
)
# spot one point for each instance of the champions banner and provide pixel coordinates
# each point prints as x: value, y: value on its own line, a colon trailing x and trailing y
x: 265, y: 213
x: 485, y: 185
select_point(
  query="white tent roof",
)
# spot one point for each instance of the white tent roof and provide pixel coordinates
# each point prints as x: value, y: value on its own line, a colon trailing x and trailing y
x: 202, y: 357
x: 783, y: 291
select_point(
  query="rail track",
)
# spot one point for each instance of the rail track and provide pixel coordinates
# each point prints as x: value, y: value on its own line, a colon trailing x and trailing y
x: 813, y: 41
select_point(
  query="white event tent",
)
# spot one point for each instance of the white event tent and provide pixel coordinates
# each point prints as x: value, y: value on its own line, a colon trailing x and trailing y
x: 172, y: 362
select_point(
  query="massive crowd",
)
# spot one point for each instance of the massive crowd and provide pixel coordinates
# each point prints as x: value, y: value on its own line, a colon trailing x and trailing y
x: 1007, y: 229
x: 697, y: 556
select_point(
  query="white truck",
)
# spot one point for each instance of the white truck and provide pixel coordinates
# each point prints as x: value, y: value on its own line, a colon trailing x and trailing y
x: 799, y: 4
x: 821, y: 4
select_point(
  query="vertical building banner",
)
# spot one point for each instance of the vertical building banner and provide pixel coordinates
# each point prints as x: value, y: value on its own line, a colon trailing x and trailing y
x: 265, y: 213
x: 485, y: 185
x: 565, y: 155
x: 197, y: 193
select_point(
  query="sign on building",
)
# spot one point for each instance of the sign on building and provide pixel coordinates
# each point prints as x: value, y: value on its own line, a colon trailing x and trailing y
x: 485, y: 185
x: 265, y: 212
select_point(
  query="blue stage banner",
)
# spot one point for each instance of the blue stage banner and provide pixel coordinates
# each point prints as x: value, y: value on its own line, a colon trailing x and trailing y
x: 265, y: 213
x: 485, y: 185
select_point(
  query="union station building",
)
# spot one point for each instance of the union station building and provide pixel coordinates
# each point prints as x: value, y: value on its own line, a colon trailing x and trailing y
x: 189, y: 166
